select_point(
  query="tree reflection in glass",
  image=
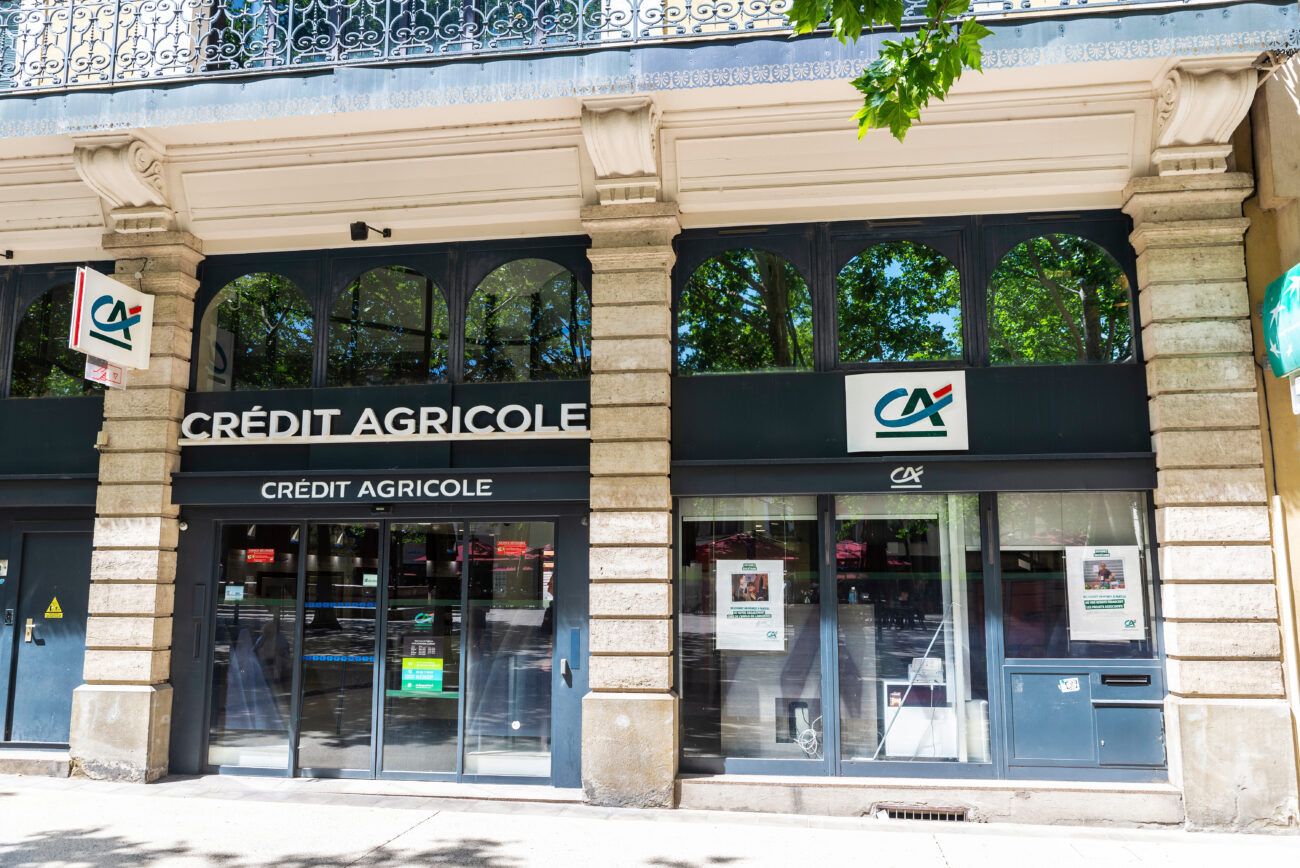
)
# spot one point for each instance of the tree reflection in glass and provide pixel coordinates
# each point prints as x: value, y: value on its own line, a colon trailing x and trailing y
x: 256, y: 334
x: 1059, y: 299
x: 744, y: 310
x: 389, y: 327
x: 899, y: 302
x: 44, y: 366
x: 528, y: 320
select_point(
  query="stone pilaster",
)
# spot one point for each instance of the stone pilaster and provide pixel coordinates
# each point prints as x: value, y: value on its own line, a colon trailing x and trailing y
x: 1227, y: 724
x: 630, y: 718
x: 121, y: 716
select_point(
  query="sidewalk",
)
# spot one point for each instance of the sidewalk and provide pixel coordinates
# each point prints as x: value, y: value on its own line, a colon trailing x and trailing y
x: 232, y: 821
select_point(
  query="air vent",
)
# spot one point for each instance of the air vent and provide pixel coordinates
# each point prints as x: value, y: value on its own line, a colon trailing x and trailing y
x: 922, y: 812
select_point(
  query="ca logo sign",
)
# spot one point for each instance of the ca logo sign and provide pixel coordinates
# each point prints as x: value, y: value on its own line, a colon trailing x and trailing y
x: 118, y: 321
x: 110, y: 321
x: 906, y: 412
x: 922, y: 404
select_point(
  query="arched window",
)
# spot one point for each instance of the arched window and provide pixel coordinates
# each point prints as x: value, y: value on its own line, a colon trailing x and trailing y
x: 899, y: 302
x: 256, y: 334
x: 43, y: 366
x: 744, y: 310
x: 1059, y: 299
x: 389, y: 327
x: 528, y: 320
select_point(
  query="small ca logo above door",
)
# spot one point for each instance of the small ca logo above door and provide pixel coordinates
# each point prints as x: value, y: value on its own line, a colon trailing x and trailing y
x: 907, y: 477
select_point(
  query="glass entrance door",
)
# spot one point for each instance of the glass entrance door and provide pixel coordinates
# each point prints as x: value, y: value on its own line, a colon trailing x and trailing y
x: 913, y: 680
x: 426, y: 649
x: 338, y: 648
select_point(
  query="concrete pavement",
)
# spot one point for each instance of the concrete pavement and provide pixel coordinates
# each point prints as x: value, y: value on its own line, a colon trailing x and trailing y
x: 231, y: 821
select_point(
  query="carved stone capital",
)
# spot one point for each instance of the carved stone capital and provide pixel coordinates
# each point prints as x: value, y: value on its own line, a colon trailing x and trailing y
x: 127, y: 174
x: 1196, y: 114
x: 622, y: 136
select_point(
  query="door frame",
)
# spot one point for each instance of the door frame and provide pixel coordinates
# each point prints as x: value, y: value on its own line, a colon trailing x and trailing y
x: 570, y: 626
x: 10, y: 592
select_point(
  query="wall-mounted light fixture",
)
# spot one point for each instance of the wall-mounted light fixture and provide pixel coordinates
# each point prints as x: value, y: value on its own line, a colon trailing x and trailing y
x: 361, y: 231
x: 9, y: 254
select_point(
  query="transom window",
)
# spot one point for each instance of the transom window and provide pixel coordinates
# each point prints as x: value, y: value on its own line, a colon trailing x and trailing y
x: 935, y: 293
x: 43, y: 365
x: 744, y: 310
x: 435, y: 314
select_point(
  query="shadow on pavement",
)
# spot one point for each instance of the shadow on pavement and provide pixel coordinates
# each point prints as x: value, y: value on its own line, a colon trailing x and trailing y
x: 90, y: 846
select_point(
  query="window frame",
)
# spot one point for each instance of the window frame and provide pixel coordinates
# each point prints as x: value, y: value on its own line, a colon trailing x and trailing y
x: 975, y: 244
x: 323, y: 275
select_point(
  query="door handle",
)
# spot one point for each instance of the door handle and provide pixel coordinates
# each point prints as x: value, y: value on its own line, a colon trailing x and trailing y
x: 27, y: 632
x: 565, y: 672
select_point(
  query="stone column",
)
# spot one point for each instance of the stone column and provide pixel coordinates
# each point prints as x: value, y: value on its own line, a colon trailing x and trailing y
x: 121, y: 716
x: 630, y: 717
x: 1227, y: 725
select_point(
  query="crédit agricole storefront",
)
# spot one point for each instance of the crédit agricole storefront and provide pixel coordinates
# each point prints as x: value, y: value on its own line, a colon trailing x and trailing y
x: 911, y: 472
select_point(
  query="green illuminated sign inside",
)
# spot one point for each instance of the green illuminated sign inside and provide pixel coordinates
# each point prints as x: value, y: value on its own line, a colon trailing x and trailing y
x: 1282, y: 323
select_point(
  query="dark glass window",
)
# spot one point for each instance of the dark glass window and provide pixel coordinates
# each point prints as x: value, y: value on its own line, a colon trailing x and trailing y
x: 44, y: 366
x: 1059, y: 299
x: 389, y: 327
x: 738, y: 701
x: 899, y: 302
x: 528, y: 320
x: 256, y: 334
x: 744, y: 310
x: 1068, y: 562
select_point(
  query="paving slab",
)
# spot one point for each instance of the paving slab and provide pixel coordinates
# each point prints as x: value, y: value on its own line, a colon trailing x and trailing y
x: 240, y: 823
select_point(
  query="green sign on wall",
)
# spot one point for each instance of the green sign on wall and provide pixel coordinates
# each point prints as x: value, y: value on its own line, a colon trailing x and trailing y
x: 1282, y: 323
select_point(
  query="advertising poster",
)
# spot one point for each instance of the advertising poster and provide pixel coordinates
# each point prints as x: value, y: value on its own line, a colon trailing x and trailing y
x: 422, y: 664
x: 1104, y: 585
x: 751, y: 610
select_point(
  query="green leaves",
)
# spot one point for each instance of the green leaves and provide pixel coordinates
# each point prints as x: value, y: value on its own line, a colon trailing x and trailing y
x: 908, y: 73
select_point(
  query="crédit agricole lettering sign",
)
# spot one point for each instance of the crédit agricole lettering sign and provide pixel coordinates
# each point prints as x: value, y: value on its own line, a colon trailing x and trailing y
x: 259, y: 425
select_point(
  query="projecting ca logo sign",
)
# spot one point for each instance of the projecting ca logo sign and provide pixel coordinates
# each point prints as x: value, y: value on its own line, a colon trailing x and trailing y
x: 906, y: 412
x: 110, y: 320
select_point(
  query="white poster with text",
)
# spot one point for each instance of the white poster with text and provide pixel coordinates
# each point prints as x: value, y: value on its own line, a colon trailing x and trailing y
x: 1104, y: 586
x: 751, y: 610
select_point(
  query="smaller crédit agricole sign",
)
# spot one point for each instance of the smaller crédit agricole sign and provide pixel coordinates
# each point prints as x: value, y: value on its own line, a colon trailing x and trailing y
x: 110, y: 320
x: 906, y: 412
x: 259, y: 425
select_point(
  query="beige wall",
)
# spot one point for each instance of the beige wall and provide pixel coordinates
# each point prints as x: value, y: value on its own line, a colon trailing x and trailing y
x: 1272, y: 247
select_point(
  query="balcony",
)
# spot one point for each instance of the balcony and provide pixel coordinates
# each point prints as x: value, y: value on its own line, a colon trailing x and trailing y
x: 53, y: 45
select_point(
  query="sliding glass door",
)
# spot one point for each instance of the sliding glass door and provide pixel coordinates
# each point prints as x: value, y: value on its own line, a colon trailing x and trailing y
x: 412, y: 649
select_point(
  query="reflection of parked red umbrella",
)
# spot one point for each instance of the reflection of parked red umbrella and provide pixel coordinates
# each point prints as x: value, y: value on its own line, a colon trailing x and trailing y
x: 742, y: 546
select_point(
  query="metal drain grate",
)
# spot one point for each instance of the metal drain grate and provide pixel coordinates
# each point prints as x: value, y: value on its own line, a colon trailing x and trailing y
x: 922, y: 812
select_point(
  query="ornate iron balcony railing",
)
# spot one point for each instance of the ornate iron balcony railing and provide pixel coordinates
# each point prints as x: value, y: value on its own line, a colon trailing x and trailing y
x: 56, y: 44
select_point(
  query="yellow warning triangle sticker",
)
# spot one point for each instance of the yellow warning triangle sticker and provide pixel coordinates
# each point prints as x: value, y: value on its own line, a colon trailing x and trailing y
x: 53, y: 611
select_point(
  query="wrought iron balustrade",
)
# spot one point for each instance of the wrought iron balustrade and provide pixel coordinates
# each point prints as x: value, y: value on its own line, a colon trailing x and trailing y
x: 55, y: 44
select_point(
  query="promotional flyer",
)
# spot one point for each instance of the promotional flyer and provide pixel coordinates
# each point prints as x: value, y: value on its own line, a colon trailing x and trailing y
x: 1104, y: 585
x: 751, y: 611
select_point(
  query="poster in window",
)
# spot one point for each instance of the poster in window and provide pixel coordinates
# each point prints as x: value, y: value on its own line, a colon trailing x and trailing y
x: 751, y: 611
x: 1104, y: 585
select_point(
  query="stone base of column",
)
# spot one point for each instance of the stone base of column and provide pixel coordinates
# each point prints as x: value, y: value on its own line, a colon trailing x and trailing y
x: 629, y: 749
x: 1235, y: 762
x: 121, y: 732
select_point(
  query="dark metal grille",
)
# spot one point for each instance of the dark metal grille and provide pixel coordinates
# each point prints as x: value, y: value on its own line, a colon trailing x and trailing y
x: 55, y: 44
x: 922, y: 812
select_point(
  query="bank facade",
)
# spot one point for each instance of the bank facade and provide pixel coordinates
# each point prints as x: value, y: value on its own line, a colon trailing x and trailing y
x: 602, y: 414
